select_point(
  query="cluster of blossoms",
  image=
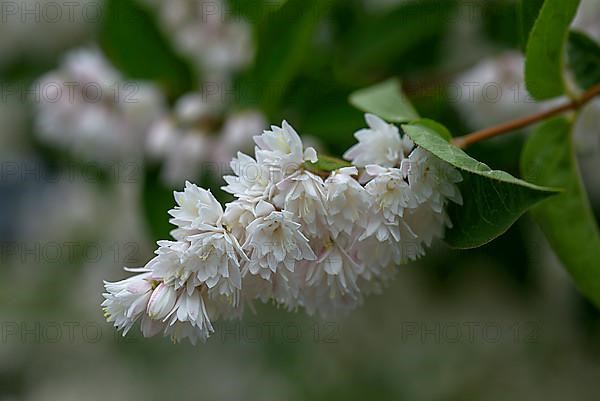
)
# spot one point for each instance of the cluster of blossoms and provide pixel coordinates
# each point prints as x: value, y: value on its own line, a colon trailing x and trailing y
x: 218, y: 46
x: 200, y: 130
x: 88, y: 107
x: 294, y: 235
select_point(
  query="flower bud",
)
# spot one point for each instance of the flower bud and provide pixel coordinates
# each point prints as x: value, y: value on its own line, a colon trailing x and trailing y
x: 161, y: 301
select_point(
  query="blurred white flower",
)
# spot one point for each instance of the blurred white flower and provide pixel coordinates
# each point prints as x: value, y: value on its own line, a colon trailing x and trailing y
x: 88, y: 108
x: 204, y: 31
x: 238, y: 130
x: 587, y: 18
x: 199, y: 133
x: 494, y: 91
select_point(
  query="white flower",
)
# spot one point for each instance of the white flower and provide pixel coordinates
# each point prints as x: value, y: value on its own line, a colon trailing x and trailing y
x: 348, y: 203
x: 283, y: 148
x: 253, y: 181
x: 197, y: 209
x: 189, y: 318
x: 336, y: 268
x: 391, y: 195
x: 587, y: 18
x: 167, y: 266
x: 274, y: 244
x: 380, y: 144
x: 432, y: 179
x: 182, y: 140
x: 381, y: 258
x: 214, y: 258
x: 237, y: 216
x: 238, y: 130
x: 161, y: 301
x: 126, y: 301
x: 494, y: 91
x: 303, y: 194
x: 320, y: 245
x: 86, y: 107
x: 199, y: 30
x: 206, y: 252
x: 427, y: 224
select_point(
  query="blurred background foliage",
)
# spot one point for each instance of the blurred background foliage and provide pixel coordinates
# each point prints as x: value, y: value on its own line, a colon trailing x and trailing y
x: 312, y: 62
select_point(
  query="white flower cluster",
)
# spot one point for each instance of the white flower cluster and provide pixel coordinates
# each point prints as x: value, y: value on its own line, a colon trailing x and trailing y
x: 204, y: 31
x: 200, y: 130
x: 290, y: 235
x: 87, y: 107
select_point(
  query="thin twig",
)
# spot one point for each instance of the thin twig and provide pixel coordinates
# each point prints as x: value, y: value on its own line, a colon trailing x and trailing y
x: 466, y: 140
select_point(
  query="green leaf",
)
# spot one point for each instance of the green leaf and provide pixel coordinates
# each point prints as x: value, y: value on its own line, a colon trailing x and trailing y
x: 326, y: 164
x: 544, y: 62
x: 284, y: 39
x: 157, y: 200
x: 567, y: 220
x: 392, y: 35
x: 528, y: 11
x: 492, y: 200
x: 584, y: 59
x: 132, y: 41
x: 436, y: 127
x: 385, y: 100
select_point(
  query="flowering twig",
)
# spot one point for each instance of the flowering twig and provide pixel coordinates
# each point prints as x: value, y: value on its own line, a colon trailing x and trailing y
x: 466, y: 140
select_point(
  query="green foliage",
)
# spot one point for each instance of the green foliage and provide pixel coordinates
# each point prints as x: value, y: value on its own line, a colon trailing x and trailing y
x: 434, y: 126
x: 544, y: 64
x: 492, y: 200
x: 135, y: 45
x: 284, y: 37
x: 498, y: 20
x: 584, y: 59
x: 157, y: 200
x: 528, y: 11
x: 395, y: 35
x: 386, y: 100
x: 567, y: 220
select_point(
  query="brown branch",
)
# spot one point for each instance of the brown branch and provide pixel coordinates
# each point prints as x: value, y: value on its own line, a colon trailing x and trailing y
x: 466, y: 140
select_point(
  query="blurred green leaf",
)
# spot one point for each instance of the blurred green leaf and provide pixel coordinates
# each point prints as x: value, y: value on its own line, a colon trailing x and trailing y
x: 527, y: 11
x: 544, y: 62
x: 157, y: 200
x: 584, y: 59
x: 387, y: 100
x: 499, y: 18
x: 284, y: 38
x: 390, y: 35
x: 492, y: 200
x: 567, y: 220
x: 132, y: 41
